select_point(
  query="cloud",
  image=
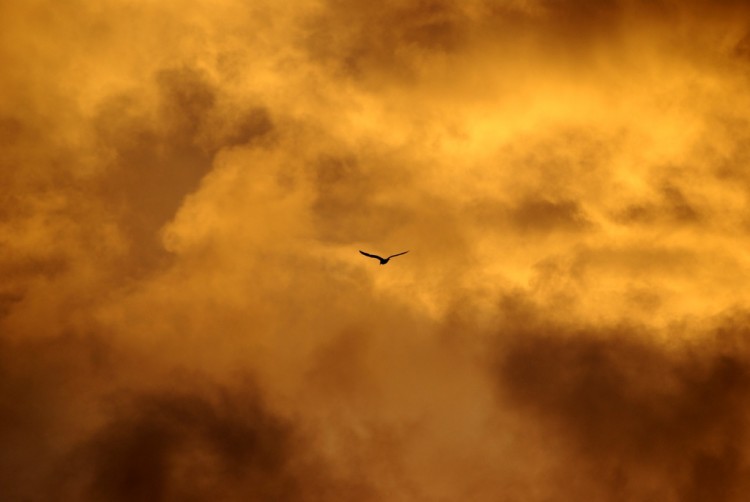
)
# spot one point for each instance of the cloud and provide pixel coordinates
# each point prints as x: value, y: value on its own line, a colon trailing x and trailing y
x: 77, y: 429
x: 159, y: 156
x: 643, y: 417
x: 176, y: 445
x: 184, y: 189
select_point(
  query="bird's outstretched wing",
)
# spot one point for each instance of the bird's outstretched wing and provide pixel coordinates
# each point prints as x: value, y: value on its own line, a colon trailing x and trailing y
x: 371, y: 255
x: 399, y: 254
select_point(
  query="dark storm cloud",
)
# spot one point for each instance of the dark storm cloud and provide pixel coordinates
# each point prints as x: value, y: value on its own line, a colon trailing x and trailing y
x: 639, y: 414
x: 73, y: 429
x: 44, y: 385
x: 190, y: 446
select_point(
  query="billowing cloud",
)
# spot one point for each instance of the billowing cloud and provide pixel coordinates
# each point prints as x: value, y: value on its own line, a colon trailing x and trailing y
x: 641, y: 417
x: 184, y: 189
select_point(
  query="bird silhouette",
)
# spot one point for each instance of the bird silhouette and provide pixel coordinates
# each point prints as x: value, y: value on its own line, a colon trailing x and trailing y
x: 383, y: 261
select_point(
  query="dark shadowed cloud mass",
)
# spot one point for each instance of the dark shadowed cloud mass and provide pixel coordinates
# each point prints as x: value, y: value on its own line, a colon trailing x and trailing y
x: 184, y: 188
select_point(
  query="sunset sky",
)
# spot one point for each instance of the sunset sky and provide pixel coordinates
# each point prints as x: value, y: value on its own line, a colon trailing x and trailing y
x: 185, y: 187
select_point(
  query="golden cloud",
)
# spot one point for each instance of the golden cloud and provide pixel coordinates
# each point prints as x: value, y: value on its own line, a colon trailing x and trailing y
x: 184, y: 188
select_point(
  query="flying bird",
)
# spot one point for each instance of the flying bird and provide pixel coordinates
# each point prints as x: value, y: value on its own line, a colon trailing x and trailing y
x: 383, y: 261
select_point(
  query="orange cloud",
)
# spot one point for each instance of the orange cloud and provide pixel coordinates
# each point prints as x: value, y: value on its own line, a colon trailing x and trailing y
x: 184, y: 189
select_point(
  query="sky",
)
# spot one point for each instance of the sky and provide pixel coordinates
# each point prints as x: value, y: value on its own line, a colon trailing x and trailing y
x: 185, y: 186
